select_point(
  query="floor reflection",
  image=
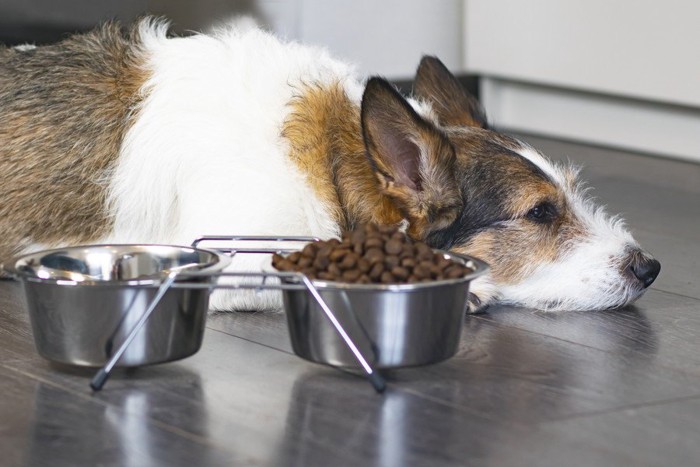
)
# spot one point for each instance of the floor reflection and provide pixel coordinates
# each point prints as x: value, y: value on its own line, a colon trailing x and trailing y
x: 544, y: 366
x: 505, y: 376
x: 121, y: 427
x: 626, y: 331
x: 395, y: 429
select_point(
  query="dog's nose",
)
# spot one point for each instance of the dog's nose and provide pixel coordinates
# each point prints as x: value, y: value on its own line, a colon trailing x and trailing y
x: 644, y: 267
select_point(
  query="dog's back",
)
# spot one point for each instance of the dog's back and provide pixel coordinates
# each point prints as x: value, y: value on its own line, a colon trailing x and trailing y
x: 64, y: 110
x: 100, y: 129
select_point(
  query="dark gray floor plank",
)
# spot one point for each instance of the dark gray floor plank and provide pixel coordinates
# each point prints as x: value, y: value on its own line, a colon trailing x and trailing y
x: 44, y: 425
x: 653, y: 436
x: 655, y: 172
x: 680, y: 262
x: 503, y: 378
x: 661, y: 328
x: 516, y: 375
x: 270, y: 408
x: 556, y: 377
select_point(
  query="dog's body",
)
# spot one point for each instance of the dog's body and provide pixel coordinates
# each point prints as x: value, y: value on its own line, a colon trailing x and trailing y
x: 113, y: 137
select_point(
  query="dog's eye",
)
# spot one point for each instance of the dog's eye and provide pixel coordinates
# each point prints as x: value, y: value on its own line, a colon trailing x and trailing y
x: 542, y: 213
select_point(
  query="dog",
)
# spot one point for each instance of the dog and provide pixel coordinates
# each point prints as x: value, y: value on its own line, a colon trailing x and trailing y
x: 132, y: 136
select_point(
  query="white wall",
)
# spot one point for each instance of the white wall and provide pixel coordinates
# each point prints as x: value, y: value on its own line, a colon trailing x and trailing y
x: 645, y: 49
x: 622, y: 72
x: 386, y: 37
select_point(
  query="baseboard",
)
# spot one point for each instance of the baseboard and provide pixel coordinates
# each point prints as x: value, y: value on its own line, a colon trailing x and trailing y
x: 652, y: 128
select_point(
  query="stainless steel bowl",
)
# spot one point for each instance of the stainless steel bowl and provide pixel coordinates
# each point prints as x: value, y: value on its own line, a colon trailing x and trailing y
x: 393, y: 326
x: 83, y: 301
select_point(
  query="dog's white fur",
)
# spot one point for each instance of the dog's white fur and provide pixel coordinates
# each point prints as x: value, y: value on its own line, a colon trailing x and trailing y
x: 234, y: 86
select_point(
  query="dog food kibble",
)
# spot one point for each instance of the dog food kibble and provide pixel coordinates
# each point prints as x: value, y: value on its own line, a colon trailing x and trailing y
x: 371, y: 255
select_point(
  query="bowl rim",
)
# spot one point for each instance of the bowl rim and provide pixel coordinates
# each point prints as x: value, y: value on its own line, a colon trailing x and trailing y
x: 478, y: 267
x: 207, y: 269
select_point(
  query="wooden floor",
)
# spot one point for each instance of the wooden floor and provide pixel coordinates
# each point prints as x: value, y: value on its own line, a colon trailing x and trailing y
x: 615, y: 388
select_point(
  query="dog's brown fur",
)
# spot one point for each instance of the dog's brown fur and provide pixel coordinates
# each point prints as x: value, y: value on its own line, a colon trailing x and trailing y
x: 322, y: 126
x: 64, y: 110
x: 331, y: 141
x: 325, y: 131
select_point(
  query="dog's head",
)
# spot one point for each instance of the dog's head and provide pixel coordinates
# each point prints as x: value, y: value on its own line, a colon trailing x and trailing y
x: 467, y: 188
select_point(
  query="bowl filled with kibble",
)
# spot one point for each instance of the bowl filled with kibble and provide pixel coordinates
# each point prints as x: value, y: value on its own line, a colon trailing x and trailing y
x: 401, y: 302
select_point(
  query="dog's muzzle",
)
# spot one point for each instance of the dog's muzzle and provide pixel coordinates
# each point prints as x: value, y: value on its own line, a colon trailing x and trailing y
x: 643, y: 267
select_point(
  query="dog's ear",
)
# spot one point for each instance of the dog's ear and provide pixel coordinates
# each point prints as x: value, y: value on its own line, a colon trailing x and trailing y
x: 413, y: 161
x: 451, y: 102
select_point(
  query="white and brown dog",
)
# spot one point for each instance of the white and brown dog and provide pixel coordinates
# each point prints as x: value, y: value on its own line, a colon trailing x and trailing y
x: 133, y: 136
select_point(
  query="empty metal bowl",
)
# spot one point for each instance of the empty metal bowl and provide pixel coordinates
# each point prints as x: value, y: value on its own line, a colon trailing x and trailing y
x: 83, y: 301
x: 393, y: 326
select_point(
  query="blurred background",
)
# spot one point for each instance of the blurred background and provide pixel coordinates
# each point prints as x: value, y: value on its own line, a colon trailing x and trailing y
x: 622, y: 74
